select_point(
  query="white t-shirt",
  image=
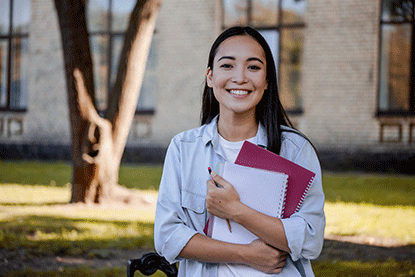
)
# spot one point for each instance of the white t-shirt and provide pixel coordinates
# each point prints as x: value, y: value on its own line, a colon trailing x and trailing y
x: 231, y: 150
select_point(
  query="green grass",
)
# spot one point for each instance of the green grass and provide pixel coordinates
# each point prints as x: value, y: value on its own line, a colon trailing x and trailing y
x: 388, y: 268
x: 356, y: 204
x: 35, y: 173
x: 350, y: 219
x: 82, y: 271
x: 384, y: 190
x: 327, y: 269
x: 59, y: 174
x: 31, y: 220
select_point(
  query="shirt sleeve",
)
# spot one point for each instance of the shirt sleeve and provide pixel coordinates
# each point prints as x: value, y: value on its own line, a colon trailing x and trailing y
x: 170, y: 231
x: 305, y: 229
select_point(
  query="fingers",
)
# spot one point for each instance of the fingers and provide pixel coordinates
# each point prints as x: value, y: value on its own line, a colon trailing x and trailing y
x: 210, y: 184
x: 278, y: 265
x: 218, y: 179
x: 266, y: 258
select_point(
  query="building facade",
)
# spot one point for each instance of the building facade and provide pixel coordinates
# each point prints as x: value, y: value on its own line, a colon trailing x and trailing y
x: 345, y: 70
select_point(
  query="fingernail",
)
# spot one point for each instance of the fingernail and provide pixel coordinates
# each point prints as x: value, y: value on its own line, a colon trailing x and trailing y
x: 213, y: 174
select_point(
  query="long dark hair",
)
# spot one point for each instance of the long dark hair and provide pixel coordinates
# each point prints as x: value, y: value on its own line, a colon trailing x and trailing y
x: 269, y: 111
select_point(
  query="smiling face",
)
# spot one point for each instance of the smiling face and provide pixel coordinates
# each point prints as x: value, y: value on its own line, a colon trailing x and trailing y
x: 238, y: 77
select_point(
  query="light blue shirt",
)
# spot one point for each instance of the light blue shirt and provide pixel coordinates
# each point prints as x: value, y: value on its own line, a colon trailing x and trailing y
x: 181, y: 205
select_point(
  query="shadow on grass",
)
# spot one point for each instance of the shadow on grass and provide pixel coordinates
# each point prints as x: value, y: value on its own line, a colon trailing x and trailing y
x: 348, y: 251
x: 357, y: 268
x: 352, y: 259
x: 29, y: 238
x: 56, y: 235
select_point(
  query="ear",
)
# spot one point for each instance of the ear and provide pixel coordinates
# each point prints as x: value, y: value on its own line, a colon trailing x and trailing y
x: 209, y: 77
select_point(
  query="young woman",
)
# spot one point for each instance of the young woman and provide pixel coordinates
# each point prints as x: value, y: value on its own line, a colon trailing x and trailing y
x: 240, y: 102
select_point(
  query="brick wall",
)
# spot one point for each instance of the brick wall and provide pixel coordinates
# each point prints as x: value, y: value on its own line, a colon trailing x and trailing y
x: 48, y: 109
x: 340, y: 67
x: 186, y: 29
x: 341, y: 76
x: 340, y: 72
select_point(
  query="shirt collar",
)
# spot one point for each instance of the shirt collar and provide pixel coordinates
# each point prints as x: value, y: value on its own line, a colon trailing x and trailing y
x: 211, y: 134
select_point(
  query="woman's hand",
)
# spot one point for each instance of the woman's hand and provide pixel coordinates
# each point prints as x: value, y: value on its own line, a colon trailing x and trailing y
x: 265, y: 258
x: 222, y: 201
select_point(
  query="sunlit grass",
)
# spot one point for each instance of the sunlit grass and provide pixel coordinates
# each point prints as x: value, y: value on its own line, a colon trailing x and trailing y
x: 57, y: 234
x: 12, y: 194
x: 34, y: 217
x: 21, y: 200
x: 42, y: 222
x: 351, y: 219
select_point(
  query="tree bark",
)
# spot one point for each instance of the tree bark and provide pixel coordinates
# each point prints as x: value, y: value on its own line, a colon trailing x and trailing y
x: 98, y: 143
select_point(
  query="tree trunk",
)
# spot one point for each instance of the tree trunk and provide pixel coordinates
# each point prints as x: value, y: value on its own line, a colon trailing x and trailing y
x: 98, y: 143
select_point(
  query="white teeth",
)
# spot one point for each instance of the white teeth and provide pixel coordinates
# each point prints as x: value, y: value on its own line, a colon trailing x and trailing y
x: 239, y: 92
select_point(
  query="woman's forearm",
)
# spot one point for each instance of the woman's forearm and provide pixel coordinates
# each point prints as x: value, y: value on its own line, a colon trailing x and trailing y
x: 267, y: 228
x: 206, y: 249
x: 257, y: 254
x: 224, y: 202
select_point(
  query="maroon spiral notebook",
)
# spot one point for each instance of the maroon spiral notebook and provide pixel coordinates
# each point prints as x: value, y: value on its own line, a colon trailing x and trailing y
x: 299, y: 178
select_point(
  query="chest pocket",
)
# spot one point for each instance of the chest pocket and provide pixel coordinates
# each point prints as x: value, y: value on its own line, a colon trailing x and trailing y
x: 193, y: 202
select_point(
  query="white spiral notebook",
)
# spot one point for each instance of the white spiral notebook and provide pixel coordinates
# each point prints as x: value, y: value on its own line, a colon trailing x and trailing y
x: 259, y: 189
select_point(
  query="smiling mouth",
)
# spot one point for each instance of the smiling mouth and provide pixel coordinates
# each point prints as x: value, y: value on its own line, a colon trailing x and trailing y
x: 238, y: 92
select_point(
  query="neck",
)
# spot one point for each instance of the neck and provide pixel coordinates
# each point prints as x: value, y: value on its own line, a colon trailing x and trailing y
x: 237, y: 127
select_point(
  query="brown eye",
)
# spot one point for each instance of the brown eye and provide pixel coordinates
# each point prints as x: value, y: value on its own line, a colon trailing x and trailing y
x: 226, y: 65
x: 254, y: 67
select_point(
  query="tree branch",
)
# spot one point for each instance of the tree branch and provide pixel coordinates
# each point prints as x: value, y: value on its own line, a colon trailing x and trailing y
x: 124, y: 97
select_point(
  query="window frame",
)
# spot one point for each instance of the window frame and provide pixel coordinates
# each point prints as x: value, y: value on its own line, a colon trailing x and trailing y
x: 393, y: 22
x: 112, y: 37
x: 280, y: 26
x: 9, y: 65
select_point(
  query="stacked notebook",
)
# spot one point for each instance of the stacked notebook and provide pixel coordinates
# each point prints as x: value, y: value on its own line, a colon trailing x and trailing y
x: 259, y: 189
x: 265, y: 182
x: 299, y: 178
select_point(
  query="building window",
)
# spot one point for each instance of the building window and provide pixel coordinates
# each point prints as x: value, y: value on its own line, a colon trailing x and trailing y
x: 396, y: 80
x: 282, y: 24
x: 107, y: 23
x: 14, y: 54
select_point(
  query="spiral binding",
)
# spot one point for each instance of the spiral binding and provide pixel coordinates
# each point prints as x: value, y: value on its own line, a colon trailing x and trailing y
x: 304, y: 194
x: 285, y: 196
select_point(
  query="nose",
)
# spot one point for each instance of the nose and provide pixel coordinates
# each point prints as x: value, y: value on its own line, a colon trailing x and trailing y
x: 239, y: 76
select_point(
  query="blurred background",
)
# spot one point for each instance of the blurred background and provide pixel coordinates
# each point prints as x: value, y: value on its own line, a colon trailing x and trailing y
x: 344, y: 69
x: 346, y: 79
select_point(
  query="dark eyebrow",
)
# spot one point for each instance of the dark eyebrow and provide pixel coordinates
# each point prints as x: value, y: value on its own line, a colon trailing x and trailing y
x: 255, y: 59
x: 233, y: 58
x: 227, y: 57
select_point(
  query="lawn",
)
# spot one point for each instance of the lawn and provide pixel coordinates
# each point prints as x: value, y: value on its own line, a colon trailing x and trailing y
x: 36, y: 224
